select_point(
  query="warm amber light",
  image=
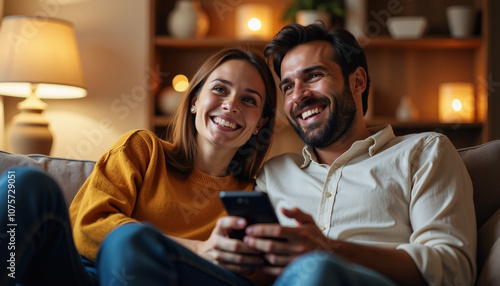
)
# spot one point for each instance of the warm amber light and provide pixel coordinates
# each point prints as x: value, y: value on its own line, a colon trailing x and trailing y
x: 254, y: 24
x: 180, y: 83
x: 253, y: 21
x: 46, y: 58
x: 456, y: 102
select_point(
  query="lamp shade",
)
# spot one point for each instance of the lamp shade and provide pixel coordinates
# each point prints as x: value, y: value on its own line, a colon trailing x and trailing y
x: 456, y: 102
x: 253, y: 21
x: 41, y: 55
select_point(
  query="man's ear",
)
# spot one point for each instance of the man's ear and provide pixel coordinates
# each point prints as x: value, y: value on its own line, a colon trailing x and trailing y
x: 357, y: 80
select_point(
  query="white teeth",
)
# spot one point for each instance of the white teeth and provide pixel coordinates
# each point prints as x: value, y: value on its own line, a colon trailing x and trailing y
x: 310, y: 112
x: 224, y: 123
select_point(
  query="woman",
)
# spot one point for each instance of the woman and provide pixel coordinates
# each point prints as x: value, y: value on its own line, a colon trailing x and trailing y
x: 155, y: 200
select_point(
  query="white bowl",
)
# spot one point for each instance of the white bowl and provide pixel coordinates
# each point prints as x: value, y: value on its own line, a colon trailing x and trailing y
x: 407, y: 27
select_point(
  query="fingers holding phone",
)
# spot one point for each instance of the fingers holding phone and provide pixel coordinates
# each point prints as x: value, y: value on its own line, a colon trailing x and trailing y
x: 229, y: 253
x: 254, y: 207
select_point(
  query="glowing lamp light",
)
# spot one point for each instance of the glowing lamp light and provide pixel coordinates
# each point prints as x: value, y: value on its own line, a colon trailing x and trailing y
x: 254, y: 24
x: 456, y: 102
x: 253, y: 21
x: 180, y: 83
x: 39, y: 59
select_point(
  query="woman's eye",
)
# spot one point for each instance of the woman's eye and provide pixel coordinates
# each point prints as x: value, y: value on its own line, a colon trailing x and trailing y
x: 218, y: 89
x: 250, y: 100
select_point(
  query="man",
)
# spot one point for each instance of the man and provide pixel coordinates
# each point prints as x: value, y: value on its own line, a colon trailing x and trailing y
x: 401, y: 206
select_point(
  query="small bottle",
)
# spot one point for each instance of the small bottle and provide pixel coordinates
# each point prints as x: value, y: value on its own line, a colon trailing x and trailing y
x: 406, y: 110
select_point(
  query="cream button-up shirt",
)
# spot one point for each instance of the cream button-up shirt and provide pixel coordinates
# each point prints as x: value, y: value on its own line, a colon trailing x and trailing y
x: 411, y: 192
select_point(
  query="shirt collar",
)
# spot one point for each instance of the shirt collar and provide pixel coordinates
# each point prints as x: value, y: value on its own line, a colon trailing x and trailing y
x: 380, y: 136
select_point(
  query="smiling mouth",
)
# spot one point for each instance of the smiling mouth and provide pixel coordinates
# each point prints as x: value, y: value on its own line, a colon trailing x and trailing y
x: 225, y: 123
x: 306, y: 114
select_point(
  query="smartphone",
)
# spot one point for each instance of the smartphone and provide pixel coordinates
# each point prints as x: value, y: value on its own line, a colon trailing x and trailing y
x: 254, y: 206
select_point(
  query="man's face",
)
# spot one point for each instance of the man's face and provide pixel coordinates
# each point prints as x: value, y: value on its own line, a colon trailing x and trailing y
x: 317, y: 103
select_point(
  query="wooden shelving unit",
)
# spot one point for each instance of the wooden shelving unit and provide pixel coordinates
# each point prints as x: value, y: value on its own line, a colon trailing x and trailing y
x: 436, y: 42
x: 208, y: 42
x: 397, y: 68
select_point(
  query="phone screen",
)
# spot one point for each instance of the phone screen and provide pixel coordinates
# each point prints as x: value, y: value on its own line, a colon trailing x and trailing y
x: 254, y: 206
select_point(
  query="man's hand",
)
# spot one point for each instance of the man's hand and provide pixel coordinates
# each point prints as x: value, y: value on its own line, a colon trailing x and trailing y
x: 229, y: 253
x: 283, y: 244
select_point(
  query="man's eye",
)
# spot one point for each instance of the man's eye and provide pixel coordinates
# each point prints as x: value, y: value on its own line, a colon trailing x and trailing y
x: 287, y: 89
x: 315, y: 76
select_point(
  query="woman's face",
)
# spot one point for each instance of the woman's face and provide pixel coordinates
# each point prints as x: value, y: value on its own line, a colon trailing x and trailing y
x: 229, y: 105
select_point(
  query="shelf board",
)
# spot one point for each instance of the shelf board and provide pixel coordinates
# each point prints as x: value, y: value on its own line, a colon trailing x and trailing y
x: 207, y: 42
x: 421, y: 124
x: 428, y: 42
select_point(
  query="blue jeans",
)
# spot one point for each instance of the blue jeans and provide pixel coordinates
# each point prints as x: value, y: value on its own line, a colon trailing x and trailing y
x: 139, y: 254
x: 322, y: 268
x: 36, y: 242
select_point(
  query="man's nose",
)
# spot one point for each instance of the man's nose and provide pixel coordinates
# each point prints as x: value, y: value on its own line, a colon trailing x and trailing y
x: 301, y: 92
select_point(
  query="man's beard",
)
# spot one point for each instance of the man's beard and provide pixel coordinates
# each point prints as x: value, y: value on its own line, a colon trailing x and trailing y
x: 338, y: 124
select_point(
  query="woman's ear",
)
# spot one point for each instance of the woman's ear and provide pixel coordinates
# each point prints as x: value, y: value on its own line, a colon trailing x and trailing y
x: 194, y: 100
x: 262, y: 122
x: 357, y: 80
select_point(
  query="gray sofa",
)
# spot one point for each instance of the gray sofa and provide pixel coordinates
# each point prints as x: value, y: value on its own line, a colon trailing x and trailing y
x: 483, y: 164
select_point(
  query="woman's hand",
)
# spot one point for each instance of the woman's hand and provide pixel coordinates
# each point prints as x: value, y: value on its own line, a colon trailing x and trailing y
x: 290, y: 242
x: 229, y: 253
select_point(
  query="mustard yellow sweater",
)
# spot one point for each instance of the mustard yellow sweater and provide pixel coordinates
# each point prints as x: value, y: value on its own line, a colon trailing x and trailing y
x: 130, y: 183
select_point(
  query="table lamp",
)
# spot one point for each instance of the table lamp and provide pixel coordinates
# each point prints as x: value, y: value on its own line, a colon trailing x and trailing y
x: 456, y: 102
x: 38, y: 59
x: 253, y: 21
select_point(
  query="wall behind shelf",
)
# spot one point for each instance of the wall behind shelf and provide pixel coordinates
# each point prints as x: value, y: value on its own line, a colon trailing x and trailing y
x: 433, y: 10
x: 221, y: 14
x: 417, y: 73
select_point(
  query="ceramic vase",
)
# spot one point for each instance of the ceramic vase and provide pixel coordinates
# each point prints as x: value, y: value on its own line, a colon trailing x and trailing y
x: 356, y: 14
x: 460, y: 20
x: 406, y: 110
x: 168, y: 100
x: 307, y: 17
x: 187, y: 20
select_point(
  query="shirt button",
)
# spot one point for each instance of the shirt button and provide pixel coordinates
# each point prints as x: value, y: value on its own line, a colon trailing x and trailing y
x: 328, y: 194
x: 336, y: 166
x: 322, y: 228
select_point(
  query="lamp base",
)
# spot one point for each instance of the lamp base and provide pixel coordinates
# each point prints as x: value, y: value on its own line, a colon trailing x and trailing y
x: 30, y: 132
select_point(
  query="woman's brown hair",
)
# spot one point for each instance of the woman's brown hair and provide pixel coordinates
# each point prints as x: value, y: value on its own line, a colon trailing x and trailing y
x: 182, y: 132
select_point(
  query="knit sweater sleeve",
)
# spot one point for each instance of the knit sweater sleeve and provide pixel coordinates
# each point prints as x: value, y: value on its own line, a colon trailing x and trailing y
x: 108, y: 196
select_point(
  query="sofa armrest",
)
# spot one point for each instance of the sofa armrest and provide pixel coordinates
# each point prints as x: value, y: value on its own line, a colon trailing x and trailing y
x: 488, y: 252
x: 483, y: 163
x: 68, y: 173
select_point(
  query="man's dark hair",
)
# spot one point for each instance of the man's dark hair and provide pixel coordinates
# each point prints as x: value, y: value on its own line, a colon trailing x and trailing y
x: 347, y: 52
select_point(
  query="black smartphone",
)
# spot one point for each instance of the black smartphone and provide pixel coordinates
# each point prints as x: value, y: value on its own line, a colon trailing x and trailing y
x: 254, y: 206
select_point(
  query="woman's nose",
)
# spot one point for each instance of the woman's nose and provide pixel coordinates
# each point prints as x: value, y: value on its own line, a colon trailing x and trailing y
x: 230, y: 105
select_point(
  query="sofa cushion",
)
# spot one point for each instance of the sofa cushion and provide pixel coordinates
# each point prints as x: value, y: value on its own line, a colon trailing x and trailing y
x: 488, y: 251
x: 483, y: 164
x: 69, y: 174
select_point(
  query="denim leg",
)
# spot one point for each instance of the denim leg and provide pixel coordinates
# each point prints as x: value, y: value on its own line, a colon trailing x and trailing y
x: 35, y: 232
x: 139, y: 254
x: 322, y: 268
